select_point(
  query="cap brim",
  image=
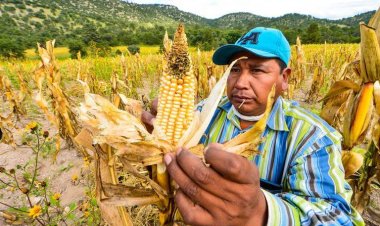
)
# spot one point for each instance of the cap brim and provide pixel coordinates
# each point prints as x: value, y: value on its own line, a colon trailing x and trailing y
x: 223, y: 54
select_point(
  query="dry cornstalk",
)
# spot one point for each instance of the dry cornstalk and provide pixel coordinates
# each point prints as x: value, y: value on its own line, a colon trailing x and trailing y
x: 361, y: 108
x: 62, y: 117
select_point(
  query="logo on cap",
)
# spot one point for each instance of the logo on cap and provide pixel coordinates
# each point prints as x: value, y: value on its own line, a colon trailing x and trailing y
x: 252, y: 37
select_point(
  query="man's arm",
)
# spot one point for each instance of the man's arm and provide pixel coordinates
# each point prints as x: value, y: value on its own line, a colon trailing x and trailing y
x: 225, y: 193
x: 316, y: 192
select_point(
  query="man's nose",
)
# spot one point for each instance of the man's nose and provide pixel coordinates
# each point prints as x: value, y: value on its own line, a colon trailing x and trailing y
x: 243, y: 80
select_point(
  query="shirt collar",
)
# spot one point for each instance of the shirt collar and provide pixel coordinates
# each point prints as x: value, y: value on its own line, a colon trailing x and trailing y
x: 276, y: 119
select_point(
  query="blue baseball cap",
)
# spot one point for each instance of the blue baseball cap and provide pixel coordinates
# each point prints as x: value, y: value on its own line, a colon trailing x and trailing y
x: 261, y: 41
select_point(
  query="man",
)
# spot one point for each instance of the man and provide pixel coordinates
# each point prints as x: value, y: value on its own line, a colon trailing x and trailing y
x: 298, y: 179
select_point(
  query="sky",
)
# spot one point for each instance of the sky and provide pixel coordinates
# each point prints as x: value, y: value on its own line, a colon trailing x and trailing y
x: 331, y: 9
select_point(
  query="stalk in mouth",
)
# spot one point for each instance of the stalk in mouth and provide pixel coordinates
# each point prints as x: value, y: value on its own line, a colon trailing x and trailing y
x: 241, y: 103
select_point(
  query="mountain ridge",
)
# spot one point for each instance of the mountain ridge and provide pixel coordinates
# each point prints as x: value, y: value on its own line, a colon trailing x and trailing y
x: 117, y: 22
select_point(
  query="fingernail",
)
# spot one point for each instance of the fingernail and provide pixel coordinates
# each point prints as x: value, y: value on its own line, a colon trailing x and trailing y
x: 167, y: 159
x: 179, y: 151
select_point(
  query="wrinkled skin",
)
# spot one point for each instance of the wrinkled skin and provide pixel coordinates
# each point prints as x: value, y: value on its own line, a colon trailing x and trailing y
x: 227, y: 190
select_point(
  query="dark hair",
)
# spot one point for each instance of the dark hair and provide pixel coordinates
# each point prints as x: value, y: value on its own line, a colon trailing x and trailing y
x: 281, y: 64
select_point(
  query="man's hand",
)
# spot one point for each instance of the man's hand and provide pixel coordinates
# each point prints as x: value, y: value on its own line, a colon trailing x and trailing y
x: 147, y: 117
x: 225, y: 193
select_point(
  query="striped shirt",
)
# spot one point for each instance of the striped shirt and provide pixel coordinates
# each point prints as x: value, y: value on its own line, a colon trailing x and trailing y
x: 301, y: 156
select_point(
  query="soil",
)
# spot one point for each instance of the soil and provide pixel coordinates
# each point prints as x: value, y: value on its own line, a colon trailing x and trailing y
x: 58, y: 174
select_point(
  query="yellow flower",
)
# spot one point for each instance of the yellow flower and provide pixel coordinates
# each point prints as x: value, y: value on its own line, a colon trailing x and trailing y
x: 74, y: 178
x: 56, y: 196
x: 86, y: 162
x: 31, y: 126
x: 86, y: 214
x: 35, y: 211
x: 12, y: 189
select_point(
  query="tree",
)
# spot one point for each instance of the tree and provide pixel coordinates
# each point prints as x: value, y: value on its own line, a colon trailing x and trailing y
x: 313, y: 34
x: 89, y: 33
x: 75, y: 47
x: 232, y: 36
x: 133, y: 49
x: 10, y: 48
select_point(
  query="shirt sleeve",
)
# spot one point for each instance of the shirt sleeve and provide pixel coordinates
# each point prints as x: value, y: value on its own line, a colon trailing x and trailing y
x: 315, y: 192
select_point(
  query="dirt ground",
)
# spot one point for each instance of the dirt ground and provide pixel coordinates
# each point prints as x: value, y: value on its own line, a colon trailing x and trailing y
x: 58, y: 174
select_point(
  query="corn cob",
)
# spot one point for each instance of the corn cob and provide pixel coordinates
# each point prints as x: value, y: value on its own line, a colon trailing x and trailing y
x: 175, y: 105
x: 352, y: 161
x: 369, y: 54
x: 363, y: 112
x: 176, y: 94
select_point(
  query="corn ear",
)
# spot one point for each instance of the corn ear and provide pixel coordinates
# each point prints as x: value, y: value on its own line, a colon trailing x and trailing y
x: 175, y: 106
x: 363, y: 112
x: 369, y: 54
x: 375, y: 23
x: 176, y: 96
x: 352, y: 162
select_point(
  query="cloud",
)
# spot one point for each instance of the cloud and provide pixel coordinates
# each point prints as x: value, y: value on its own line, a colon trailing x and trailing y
x: 332, y: 9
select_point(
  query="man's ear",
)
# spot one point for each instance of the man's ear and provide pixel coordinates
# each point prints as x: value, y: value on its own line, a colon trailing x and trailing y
x: 285, y: 75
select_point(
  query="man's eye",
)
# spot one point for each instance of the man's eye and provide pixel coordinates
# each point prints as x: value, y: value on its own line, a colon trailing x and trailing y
x: 235, y: 69
x: 256, y: 70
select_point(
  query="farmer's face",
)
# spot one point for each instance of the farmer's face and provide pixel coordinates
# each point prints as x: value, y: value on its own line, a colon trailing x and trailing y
x: 251, y: 80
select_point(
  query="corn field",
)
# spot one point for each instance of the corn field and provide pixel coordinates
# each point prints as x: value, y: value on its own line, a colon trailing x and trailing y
x: 92, y: 107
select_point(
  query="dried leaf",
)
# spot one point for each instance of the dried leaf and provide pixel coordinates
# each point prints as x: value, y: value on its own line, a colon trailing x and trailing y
x: 85, y: 139
x: 134, y: 107
x: 341, y: 86
x: 156, y: 187
x: 194, y: 133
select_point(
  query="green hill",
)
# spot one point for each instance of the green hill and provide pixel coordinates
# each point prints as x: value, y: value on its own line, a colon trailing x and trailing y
x: 116, y: 22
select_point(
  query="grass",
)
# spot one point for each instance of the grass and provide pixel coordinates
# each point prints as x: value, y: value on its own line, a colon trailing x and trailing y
x: 63, y: 52
x: 60, y: 53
